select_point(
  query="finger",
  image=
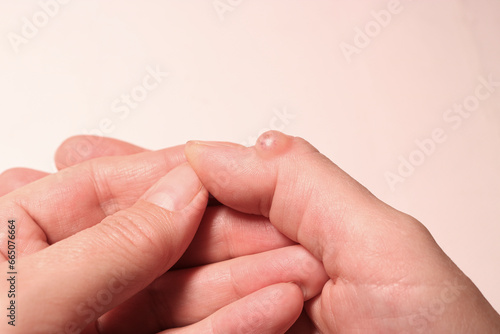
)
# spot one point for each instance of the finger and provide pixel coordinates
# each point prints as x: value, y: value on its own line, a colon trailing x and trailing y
x: 376, y: 256
x: 183, y: 297
x: 72, y: 151
x: 371, y: 252
x: 77, y: 149
x: 305, y: 195
x: 222, y: 230
x: 225, y: 234
x: 15, y: 178
x: 116, y: 258
x: 270, y: 310
x: 79, y: 197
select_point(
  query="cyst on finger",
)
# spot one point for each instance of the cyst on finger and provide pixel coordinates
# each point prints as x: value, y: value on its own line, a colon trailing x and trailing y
x: 272, y: 143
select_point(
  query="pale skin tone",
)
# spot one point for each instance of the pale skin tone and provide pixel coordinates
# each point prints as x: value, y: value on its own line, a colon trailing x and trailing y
x: 95, y: 215
x: 365, y: 266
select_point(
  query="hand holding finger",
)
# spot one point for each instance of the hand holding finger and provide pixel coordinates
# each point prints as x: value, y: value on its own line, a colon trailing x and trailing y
x: 143, y: 241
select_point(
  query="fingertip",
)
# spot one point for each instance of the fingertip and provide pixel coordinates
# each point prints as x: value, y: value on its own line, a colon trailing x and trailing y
x: 215, y: 162
x: 292, y: 303
x: 273, y: 309
x: 191, y: 150
x: 295, y: 290
x: 74, y: 150
x: 23, y: 173
x: 14, y: 178
x: 77, y: 149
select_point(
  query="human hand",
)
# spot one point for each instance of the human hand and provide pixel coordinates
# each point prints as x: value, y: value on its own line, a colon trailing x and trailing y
x: 68, y: 207
x: 386, y: 272
x: 71, y: 152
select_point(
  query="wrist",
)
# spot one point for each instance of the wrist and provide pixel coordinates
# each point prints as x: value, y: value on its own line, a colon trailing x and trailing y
x: 457, y: 306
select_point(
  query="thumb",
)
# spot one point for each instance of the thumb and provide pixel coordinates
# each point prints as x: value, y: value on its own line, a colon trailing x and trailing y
x: 89, y: 273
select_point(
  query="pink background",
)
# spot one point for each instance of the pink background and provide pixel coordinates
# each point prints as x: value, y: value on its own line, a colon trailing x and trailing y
x: 233, y: 68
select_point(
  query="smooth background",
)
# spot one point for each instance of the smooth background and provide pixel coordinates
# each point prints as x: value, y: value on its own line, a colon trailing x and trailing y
x: 231, y: 71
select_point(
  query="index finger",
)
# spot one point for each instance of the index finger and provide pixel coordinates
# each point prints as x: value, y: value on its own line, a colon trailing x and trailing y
x: 78, y: 197
x: 308, y: 198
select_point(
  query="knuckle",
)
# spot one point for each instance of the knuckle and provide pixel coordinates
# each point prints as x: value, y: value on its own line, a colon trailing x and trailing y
x: 136, y: 231
x: 301, y: 263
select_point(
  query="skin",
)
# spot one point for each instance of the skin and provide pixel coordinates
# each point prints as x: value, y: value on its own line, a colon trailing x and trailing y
x: 386, y: 273
x: 94, y: 212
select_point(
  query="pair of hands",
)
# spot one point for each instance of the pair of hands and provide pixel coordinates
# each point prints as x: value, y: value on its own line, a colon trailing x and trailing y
x: 114, y: 244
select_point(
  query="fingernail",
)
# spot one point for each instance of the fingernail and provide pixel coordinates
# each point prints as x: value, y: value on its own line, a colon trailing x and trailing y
x: 175, y: 190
